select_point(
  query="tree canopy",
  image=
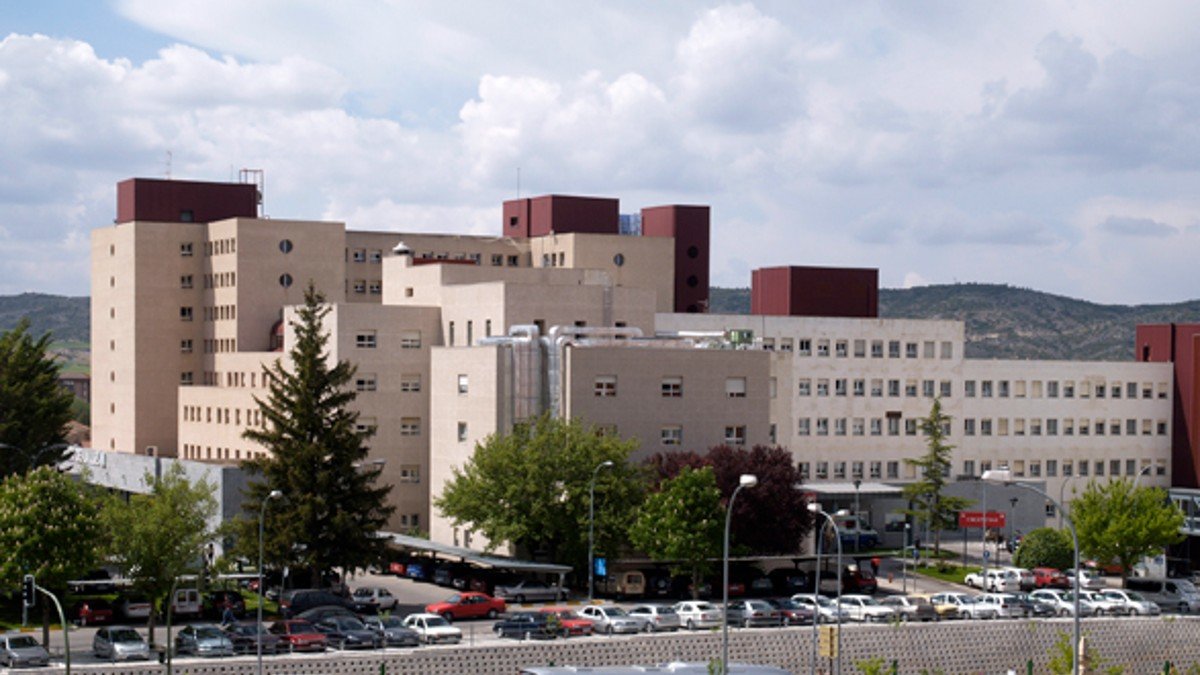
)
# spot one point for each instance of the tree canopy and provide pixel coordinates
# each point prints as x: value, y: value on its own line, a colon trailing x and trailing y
x: 683, y: 522
x: 771, y: 518
x: 529, y: 487
x: 1046, y: 547
x: 1116, y: 521
x: 332, y: 507
x: 160, y: 536
x: 930, y: 507
x: 34, y: 409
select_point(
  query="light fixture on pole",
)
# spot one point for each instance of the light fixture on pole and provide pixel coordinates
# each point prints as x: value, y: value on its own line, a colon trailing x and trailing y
x: 837, y: 608
x: 1004, y: 477
x: 747, y: 480
x: 857, y: 518
x: 1138, y: 479
x: 1062, y: 486
x: 592, y: 527
x: 262, y: 511
x: 1012, y: 526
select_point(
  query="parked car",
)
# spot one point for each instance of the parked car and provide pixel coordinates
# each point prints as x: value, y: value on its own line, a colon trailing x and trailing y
x: 203, y: 641
x: 392, y: 631
x: 866, y: 608
x: 792, y: 613
x: 628, y: 584
x: 529, y: 626
x: 298, y: 600
x: 91, y: 611
x: 1178, y: 595
x: 611, y: 619
x: 119, y: 643
x: 299, y: 635
x: 321, y: 613
x: 132, y: 608
x: 1105, y: 605
x: 373, y: 599
x: 1025, y: 580
x: 1006, y: 605
x: 455, y: 575
x: 468, y: 605
x: 911, y: 607
x: 944, y: 610
x: 570, y: 620
x: 657, y: 583
x: 1132, y: 603
x: 1063, y: 602
x: 1035, y: 607
x: 1049, y: 577
x: 19, y: 650
x: 789, y: 581
x: 994, y: 581
x: 531, y: 590
x: 433, y: 628
x: 965, y: 605
x: 1088, y: 580
x: 749, y: 613
x: 245, y: 636
x: 827, y: 611
x: 419, y: 569
x: 347, y: 632
x: 658, y: 617
x: 695, y: 614
x: 215, y: 603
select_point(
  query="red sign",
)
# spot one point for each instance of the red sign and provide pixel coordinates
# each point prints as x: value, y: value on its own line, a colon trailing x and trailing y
x: 975, y: 519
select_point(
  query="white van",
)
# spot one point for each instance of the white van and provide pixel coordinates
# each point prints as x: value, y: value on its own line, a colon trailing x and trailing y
x: 187, y: 603
x: 1169, y: 594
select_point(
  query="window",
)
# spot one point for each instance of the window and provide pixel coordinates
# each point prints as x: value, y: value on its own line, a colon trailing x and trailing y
x: 927, y: 388
x: 877, y: 349
x: 360, y: 255
x: 858, y: 426
x: 360, y: 286
x: 1130, y: 427
x: 365, y: 383
x: 985, y: 389
x: 803, y: 426
x: 410, y: 383
x: 1051, y: 427
x: 185, y: 249
x: 910, y: 388
x: 804, y: 347
x: 450, y: 334
x: 1035, y: 427
x: 804, y: 470
x: 185, y: 281
x: 672, y: 387
x: 910, y: 350
x: 822, y: 426
x: 672, y: 435
x: 969, y: 426
x: 410, y: 339
x: 822, y: 387
x: 365, y: 340
x: 1114, y: 468
x: 735, y: 387
x: 910, y: 427
x: 876, y: 468
x: 185, y: 313
x: 605, y: 386
x: 1068, y: 468
x: 786, y: 344
x: 969, y: 388
x: 860, y: 387
x: 894, y: 349
x: 840, y: 349
x: 1161, y: 427
x: 185, y: 379
x: 969, y: 467
x: 893, y: 426
x: 1003, y: 388
x: 735, y: 435
x: 877, y: 388
x: 822, y: 470
x: 1051, y: 392
x: 1131, y: 467
x: 893, y: 387
x: 1035, y: 469
x: 860, y: 349
x: 839, y: 426
x: 410, y: 473
x: 373, y: 287
x: 285, y: 246
x: 462, y: 432
x: 804, y: 387
x: 893, y: 469
x: 1068, y: 390
x: 1051, y: 468
x: 985, y: 427
x: 1002, y: 426
x: 410, y: 426
x: 839, y: 469
x: 822, y: 347
x: 876, y: 426
x: 185, y: 346
x: 463, y: 383
x: 376, y: 256
x: 945, y: 389
x: 929, y: 349
x: 513, y: 261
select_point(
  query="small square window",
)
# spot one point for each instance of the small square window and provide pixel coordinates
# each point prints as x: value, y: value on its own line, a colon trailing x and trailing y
x: 735, y: 435
x: 672, y: 436
x: 735, y: 387
x: 365, y: 340
x: 462, y: 432
x: 672, y: 387
x: 463, y: 384
x: 605, y: 386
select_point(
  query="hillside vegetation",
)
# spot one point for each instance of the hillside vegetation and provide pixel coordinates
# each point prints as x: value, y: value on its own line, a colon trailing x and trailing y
x: 1002, y: 322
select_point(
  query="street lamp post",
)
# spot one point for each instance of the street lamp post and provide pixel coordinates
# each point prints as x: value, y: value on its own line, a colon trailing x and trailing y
x: 262, y: 511
x: 1062, y: 486
x: 1004, y: 477
x: 747, y: 480
x: 1138, y: 479
x: 592, y: 527
x: 1012, y: 526
x: 983, y: 490
x: 904, y: 559
x: 816, y: 508
x: 857, y: 518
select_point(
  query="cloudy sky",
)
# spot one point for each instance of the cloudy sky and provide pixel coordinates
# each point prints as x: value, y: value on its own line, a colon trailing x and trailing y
x: 1050, y: 145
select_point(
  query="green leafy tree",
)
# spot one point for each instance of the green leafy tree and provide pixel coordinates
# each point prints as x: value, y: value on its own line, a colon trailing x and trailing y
x: 931, y: 508
x: 1116, y: 521
x: 331, y: 507
x: 34, y: 409
x: 529, y: 487
x: 684, y: 522
x: 50, y: 528
x: 160, y: 536
x: 1046, y: 547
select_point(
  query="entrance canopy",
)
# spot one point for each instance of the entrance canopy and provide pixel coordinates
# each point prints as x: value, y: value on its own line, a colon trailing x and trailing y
x: 840, y: 489
x: 475, y: 557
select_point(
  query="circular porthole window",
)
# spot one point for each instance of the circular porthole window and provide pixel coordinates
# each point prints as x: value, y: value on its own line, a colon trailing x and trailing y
x: 692, y: 281
x: 285, y: 280
x: 693, y: 252
x: 285, y: 245
x: 619, y: 259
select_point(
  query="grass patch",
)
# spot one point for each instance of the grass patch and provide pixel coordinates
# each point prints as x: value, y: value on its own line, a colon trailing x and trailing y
x: 951, y: 573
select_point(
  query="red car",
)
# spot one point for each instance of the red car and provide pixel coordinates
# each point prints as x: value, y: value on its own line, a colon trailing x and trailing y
x: 468, y: 605
x: 300, y: 635
x: 570, y: 620
x: 1048, y: 577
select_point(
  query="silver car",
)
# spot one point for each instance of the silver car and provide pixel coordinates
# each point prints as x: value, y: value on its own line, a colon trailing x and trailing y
x: 203, y: 641
x: 530, y: 591
x: 119, y: 643
x: 698, y: 614
x: 18, y: 650
x: 610, y: 619
x: 658, y: 617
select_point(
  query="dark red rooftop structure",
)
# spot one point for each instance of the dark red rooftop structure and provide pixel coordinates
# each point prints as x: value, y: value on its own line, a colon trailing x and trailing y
x: 815, y: 291
x: 184, y: 201
x: 689, y: 226
x: 1178, y: 343
x: 560, y: 214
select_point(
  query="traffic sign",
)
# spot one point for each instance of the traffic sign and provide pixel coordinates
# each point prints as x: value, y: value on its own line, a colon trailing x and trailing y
x: 986, y: 554
x: 601, y: 567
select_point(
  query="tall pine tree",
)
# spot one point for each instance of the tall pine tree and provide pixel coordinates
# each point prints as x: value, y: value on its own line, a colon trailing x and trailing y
x: 930, y: 507
x: 331, y: 507
x: 34, y: 409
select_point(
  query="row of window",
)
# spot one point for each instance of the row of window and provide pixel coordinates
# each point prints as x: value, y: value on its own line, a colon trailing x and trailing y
x: 215, y: 280
x: 409, y: 339
x: 858, y: 387
x: 360, y: 255
x: 373, y: 286
x: 927, y: 349
x: 1051, y: 468
x: 672, y: 435
x: 409, y: 383
x: 217, y: 313
x: 219, y: 415
x: 1070, y: 427
x: 191, y: 451
x: 218, y: 247
x: 1067, y: 389
x: 857, y: 426
x: 452, y: 332
x: 670, y: 387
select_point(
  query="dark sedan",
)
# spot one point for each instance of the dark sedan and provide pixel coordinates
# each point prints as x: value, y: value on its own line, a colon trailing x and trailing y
x: 203, y: 641
x: 529, y: 625
x: 392, y: 631
x: 244, y: 636
x: 347, y: 632
x: 791, y: 612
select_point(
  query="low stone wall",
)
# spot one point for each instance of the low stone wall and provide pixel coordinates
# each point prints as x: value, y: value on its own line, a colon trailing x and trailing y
x: 1140, y: 645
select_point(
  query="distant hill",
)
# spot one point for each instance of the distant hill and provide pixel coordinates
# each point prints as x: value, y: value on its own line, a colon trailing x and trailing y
x: 1004, y: 322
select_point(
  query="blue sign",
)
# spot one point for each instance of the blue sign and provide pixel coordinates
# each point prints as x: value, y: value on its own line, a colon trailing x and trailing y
x: 601, y: 567
x: 986, y: 554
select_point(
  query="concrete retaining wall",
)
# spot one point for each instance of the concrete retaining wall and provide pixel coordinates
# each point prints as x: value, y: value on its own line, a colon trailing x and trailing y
x: 1140, y: 645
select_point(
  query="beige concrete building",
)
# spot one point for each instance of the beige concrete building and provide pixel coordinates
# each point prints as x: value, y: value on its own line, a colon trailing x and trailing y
x: 457, y: 337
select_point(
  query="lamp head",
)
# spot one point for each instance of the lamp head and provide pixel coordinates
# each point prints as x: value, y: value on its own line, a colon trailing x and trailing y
x: 748, y: 480
x: 607, y: 462
x: 814, y: 507
x: 841, y: 513
x: 275, y: 494
x: 997, y: 476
